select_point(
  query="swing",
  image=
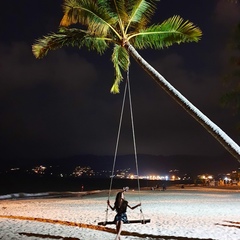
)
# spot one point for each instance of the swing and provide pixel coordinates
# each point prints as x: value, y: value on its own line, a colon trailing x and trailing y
x: 142, y: 220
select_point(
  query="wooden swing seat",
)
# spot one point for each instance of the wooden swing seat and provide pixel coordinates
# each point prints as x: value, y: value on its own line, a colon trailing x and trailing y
x: 142, y: 221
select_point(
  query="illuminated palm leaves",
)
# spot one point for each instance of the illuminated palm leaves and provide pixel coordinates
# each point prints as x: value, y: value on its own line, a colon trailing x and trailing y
x: 140, y: 13
x: 64, y: 37
x: 90, y: 14
x: 120, y: 59
x: 173, y: 30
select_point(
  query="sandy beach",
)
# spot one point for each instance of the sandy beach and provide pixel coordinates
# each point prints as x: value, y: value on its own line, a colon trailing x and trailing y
x: 189, y: 213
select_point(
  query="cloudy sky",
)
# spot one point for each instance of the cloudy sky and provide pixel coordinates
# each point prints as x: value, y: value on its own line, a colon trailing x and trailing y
x: 61, y: 105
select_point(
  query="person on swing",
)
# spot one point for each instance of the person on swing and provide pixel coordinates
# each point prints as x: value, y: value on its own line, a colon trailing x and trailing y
x: 120, y: 206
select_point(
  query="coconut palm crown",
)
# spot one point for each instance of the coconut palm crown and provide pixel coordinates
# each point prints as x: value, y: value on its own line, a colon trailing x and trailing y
x: 125, y: 26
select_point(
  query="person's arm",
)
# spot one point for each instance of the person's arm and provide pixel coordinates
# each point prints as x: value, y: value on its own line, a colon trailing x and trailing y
x: 108, y: 203
x: 138, y: 205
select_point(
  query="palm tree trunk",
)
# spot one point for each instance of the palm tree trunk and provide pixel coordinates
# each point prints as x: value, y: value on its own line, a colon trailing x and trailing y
x: 210, y: 126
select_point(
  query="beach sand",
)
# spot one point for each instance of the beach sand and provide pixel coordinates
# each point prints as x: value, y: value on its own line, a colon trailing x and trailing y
x: 189, y: 213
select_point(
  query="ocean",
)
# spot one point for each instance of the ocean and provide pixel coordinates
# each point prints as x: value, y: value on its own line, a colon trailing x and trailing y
x: 37, y: 184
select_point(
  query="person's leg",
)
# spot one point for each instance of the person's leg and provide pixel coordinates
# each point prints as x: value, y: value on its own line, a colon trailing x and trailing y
x: 118, y: 229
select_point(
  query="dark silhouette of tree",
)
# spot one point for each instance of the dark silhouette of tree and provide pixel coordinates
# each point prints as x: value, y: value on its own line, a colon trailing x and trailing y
x: 231, y: 99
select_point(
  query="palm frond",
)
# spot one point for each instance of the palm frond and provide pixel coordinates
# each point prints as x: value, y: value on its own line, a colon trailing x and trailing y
x: 71, y: 11
x: 173, y: 30
x: 120, y: 59
x: 118, y: 9
x: 89, y: 13
x: 74, y: 10
x: 67, y: 37
x: 53, y: 41
x: 140, y: 11
x: 136, y: 27
x: 95, y: 43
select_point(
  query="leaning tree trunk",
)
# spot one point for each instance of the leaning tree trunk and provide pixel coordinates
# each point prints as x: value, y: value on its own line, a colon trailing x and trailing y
x: 210, y: 126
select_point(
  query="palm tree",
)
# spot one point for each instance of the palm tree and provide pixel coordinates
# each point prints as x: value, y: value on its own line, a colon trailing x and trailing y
x: 125, y: 26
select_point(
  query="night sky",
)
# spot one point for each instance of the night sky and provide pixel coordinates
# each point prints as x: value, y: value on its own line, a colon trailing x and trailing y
x: 61, y: 105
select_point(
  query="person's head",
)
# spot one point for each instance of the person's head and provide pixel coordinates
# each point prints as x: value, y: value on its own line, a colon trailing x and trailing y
x: 118, y: 199
x: 120, y: 196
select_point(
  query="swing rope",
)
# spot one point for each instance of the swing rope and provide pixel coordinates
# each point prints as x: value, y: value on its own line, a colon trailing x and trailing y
x: 116, y: 148
x: 127, y: 87
x: 134, y: 140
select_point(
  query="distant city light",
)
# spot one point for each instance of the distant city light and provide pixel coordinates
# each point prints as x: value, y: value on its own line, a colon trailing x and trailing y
x: 231, y: 178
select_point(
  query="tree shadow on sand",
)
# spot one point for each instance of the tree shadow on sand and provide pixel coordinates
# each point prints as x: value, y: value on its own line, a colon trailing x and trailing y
x: 46, y: 236
x: 94, y: 227
x: 230, y: 224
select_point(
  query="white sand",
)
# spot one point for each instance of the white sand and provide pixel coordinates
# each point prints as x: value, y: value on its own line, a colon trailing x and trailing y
x: 190, y: 213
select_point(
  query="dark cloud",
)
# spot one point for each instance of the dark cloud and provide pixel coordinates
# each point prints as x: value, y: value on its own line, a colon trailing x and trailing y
x: 227, y: 13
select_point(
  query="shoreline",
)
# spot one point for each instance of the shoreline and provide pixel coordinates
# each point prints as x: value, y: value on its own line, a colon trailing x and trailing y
x: 71, y: 194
